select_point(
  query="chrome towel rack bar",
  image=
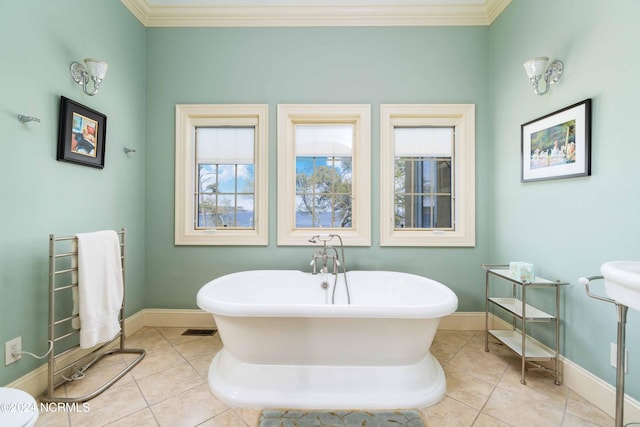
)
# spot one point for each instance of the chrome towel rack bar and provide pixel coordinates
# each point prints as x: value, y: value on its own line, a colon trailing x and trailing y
x: 59, y: 281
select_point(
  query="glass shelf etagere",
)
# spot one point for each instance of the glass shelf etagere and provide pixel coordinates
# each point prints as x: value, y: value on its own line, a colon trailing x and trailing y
x: 517, y: 339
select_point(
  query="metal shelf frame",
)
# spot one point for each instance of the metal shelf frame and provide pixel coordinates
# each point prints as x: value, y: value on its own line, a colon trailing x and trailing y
x: 517, y: 340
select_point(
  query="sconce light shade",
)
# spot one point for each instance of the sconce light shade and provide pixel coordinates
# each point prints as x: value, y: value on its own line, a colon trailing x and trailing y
x: 537, y: 69
x: 96, y: 67
x: 93, y: 69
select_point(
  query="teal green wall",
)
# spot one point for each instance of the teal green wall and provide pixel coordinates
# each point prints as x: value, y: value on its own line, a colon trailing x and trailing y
x: 568, y: 228
x: 309, y: 65
x: 39, y: 195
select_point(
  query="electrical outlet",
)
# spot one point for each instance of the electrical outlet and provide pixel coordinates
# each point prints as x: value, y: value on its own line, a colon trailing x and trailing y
x: 11, y: 348
x: 614, y: 357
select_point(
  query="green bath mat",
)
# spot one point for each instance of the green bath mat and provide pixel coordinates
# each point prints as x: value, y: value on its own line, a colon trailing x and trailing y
x: 301, y: 418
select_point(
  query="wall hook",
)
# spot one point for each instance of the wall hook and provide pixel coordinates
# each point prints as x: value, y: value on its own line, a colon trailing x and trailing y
x: 26, y: 119
x: 127, y: 150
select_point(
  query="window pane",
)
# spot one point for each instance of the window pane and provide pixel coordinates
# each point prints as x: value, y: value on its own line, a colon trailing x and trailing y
x: 443, y: 176
x: 244, y: 212
x: 426, y: 212
x: 323, y: 175
x: 246, y: 179
x: 423, y: 177
x: 207, y: 178
x: 443, y: 211
x: 207, y: 212
x: 226, y: 210
x: 323, y: 192
x: 226, y: 170
x: 399, y: 213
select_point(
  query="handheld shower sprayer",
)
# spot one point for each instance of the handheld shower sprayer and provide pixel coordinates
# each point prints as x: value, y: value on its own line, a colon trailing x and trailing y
x: 324, y: 238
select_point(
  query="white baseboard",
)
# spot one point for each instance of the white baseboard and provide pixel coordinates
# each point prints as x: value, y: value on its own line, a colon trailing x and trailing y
x: 578, y: 379
x: 167, y: 318
x: 470, y: 321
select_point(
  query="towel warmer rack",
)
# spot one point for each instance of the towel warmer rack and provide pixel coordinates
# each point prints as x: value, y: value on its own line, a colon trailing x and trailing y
x: 61, y: 278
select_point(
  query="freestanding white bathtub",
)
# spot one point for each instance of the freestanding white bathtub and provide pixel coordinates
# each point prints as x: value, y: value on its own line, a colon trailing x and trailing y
x: 287, y: 346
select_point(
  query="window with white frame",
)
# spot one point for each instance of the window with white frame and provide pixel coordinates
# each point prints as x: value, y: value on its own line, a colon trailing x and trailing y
x: 324, y: 173
x: 221, y: 175
x: 427, y: 175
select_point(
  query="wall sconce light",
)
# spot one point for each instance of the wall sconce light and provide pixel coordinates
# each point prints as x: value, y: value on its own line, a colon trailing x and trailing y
x: 537, y: 69
x: 92, y: 68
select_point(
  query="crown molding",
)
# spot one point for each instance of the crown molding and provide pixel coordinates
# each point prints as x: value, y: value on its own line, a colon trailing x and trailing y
x: 358, y: 15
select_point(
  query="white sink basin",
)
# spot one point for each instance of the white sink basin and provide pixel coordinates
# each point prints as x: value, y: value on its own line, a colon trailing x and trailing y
x: 622, y: 282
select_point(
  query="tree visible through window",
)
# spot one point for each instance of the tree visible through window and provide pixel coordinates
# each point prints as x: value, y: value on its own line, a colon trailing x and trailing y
x: 323, y: 175
x: 323, y: 192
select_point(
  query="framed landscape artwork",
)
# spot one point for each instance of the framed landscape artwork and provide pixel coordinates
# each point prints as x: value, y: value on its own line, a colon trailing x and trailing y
x: 558, y: 145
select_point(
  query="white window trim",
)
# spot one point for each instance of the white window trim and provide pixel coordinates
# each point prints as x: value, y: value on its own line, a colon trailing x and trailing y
x: 188, y: 116
x: 462, y: 117
x: 288, y: 116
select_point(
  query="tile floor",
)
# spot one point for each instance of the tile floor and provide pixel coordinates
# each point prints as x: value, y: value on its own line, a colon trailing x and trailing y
x: 169, y: 388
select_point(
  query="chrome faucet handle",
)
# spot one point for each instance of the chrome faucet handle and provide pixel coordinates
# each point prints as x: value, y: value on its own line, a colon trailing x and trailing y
x: 336, y: 264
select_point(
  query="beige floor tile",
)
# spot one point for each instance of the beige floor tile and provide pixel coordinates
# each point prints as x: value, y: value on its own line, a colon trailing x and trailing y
x: 248, y: 415
x: 53, y: 419
x: 143, y: 418
x: 188, y: 408
x: 226, y: 419
x: 451, y: 336
x: 147, y: 339
x: 578, y: 407
x: 486, y: 366
x: 473, y: 392
x: 573, y: 421
x: 539, y: 383
x: 169, y: 383
x: 537, y: 379
x: 449, y: 413
x: 201, y: 365
x: 447, y: 343
x: 115, y: 403
x: 520, y: 405
x: 157, y: 360
x: 147, y: 330
x: 200, y: 347
x: 485, y: 420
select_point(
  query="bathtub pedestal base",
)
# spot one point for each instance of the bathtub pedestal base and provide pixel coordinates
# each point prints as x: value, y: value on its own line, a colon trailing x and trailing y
x: 242, y: 384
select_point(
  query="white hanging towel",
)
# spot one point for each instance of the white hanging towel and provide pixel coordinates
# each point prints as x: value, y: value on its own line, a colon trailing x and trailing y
x: 100, y: 286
